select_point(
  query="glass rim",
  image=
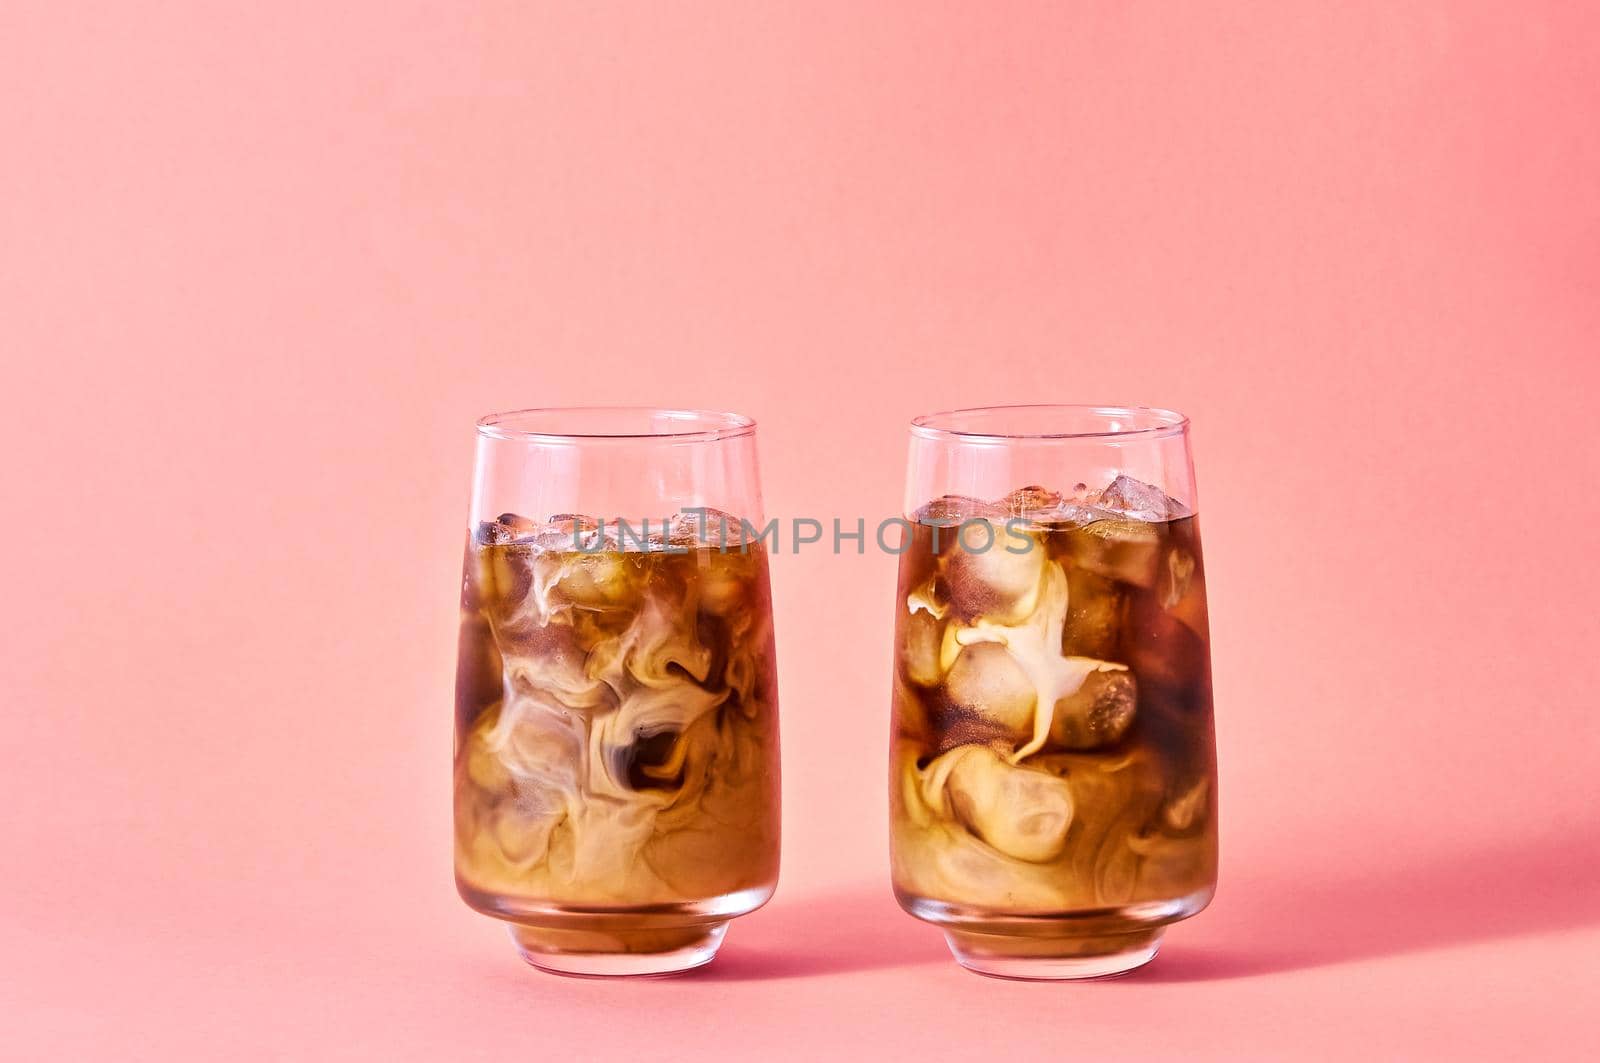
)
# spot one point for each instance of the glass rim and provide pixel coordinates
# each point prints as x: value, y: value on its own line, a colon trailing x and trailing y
x: 528, y: 425
x: 1149, y: 421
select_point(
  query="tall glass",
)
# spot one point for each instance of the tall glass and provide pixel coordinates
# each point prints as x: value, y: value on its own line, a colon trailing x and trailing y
x: 616, y: 735
x: 1053, y: 800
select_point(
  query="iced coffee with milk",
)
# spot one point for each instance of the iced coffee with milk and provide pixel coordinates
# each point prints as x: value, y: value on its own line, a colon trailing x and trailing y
x: 616, y: 750
x: 1053, y: 774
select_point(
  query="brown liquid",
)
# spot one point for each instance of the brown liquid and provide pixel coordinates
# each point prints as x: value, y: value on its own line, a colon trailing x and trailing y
x: 1052, y: 755
x: 616, y: 751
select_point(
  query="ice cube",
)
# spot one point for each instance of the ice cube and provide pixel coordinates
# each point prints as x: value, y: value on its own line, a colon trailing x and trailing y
x: 483, y: 766
x: 508, y: 527
x: 1069, y: 514
x: 950, y: 510
x: 987, y: 682
x: 607, y: 579
x: 565, y: 531
x: 1181, y: 591
x: 1096, y: 715
x: 1139, y: 500
x: 922, y: 633
x: 1025, y: 501
x: 549, y: 663
x: 479, y: 666
x: 677, y: 534
x: 1022, y: 812
x: 988, y: 579
x: 719, y: 529
x: 690, y: 529
x: 931, y: 596
x: 726, y: 580
x: 1174, y: 576
x: 912, y: 713
x: 1171, y: 657
x: 1125, y: 550
x: 1095, y: 610
x: 505, y: 575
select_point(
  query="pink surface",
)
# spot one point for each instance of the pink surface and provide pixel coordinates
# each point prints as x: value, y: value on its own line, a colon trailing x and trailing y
x: 261, y: 267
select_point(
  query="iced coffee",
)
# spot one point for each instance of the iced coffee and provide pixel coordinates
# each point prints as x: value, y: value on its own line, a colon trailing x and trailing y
x: 1053, y: 795
x: 616, y: 752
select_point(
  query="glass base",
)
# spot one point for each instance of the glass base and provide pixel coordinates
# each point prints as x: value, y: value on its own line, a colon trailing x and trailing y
x: 1053, y: 958
x: 600, y: 942
x: 1086, y: 943
x: 612, y: 953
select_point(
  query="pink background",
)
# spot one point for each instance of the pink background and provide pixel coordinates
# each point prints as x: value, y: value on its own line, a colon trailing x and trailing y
x: 262, y: 264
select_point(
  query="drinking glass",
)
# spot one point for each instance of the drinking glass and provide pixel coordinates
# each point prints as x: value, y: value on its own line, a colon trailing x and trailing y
x: 1053, y: 796
x: 616, y: 732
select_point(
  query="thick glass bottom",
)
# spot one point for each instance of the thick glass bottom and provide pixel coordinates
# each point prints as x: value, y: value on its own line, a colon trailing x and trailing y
x: 617, y: 941
x: 619, y: 952
x: 1054, y: 946
x: 1051, y: 958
